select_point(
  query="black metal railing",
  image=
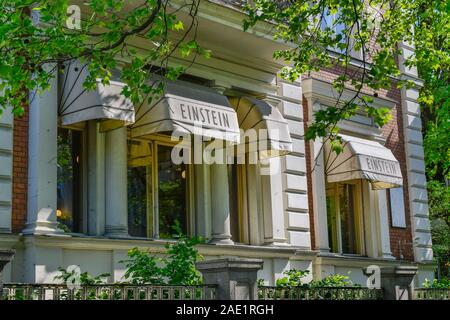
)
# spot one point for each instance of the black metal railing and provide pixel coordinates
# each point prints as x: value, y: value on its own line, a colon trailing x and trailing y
x: 327, y: 293
x: 431, y: 294
x: 20, y: 291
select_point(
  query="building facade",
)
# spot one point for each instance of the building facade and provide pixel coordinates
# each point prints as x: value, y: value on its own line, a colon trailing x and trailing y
x: 84, y: 177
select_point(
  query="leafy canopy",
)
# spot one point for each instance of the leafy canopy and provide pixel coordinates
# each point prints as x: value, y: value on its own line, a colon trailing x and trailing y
x: 39, y: 37
x: 359, y: 37
x: 177, y: 267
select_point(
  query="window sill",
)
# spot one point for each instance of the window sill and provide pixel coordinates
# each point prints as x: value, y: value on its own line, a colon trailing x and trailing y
x: 353, y: 257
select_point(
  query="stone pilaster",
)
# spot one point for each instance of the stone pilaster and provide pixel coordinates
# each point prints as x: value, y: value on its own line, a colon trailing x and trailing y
x: 116, y: 206
x: 220, y: 205
x: 6, y: 169
x: 296, y: 213
x: 412, y: 126
x: 96, y: 179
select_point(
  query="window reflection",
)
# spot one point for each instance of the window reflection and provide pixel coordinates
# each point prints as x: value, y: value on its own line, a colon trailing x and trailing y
x: 171, y: 193
x: 170, y: 198
x: 139, y: 188
x: 342, y: 213
x: 69, y: 204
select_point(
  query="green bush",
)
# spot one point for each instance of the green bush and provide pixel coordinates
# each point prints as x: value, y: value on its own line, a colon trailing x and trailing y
x: 176, y: 268
x: 142, y: 267
x: 334, y: 280
x: 85, y: 278
x: 444, y: 283
x: 293, y: 278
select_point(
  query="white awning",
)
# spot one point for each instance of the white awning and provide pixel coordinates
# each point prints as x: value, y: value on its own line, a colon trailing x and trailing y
x: 363, y: 159
x: 271, y: 136
x: 188, y: 109
x: 103, y: 103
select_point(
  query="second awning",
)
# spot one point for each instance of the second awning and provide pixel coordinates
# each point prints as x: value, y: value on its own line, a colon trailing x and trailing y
x: 363, y: 159
x: 104, y: 102
x: 270, y: 135
x: 185, y: 109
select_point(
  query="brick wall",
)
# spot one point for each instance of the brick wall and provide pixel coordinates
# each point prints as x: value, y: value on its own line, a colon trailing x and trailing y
x: 20, y: 172
x: 309, y: 178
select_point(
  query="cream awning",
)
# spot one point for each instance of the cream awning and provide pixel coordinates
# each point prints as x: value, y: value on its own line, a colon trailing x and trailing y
x: 363, y: 159
x: 103, y: 103
x: 272, y: 131
x: 185, y: 109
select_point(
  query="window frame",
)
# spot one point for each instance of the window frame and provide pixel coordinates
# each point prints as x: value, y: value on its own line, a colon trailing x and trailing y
x: 329, y: 20
x: 152, y: 213
x: 358, y: 216
x: 83, y: 168
x: 241, y: 192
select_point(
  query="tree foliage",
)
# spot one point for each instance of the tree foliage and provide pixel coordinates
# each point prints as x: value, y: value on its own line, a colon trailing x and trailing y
x: 35, y: 41
x: 331, y: 33
x: 176, y: 268
x: 295, y: 278
x: 361, y: 38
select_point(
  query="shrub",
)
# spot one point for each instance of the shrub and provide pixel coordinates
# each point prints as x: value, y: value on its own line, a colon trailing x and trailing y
x: 177, y: 268
x: 142, y: 267
x: 293, y: 278
x: 444, y: 283
x: 181, y: 259
x: 85, y: 278
x: 334, y: 280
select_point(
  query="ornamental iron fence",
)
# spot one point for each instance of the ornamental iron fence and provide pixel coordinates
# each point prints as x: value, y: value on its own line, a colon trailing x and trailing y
x: 328, y: 293
x: 20, y: 291
x: 431, y: 294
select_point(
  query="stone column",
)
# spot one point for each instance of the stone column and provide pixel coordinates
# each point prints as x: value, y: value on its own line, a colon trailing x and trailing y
x: 5, y: 257
x: 116, y: 207
x: 220, y: 205
x: 203, y: 200
x: 42, y: 160
x: 96, y: 179
x: 319, y: 198
x: 235, y: 278
x: 398, y: 282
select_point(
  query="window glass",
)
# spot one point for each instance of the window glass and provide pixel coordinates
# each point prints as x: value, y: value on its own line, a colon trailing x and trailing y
x: 170, y: 197
x: 233, y: 187
x: 342, y: 213
x: 137, y: 201
x: 139, y: 187
x: 171, y: 193
x: 330, y: 21
x: 331, y: 219
x: 347, y: 217
x: 69, y: 202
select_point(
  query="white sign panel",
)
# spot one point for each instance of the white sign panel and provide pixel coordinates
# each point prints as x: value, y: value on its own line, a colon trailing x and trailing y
x: 397, y: 207
x: 210, y: 116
